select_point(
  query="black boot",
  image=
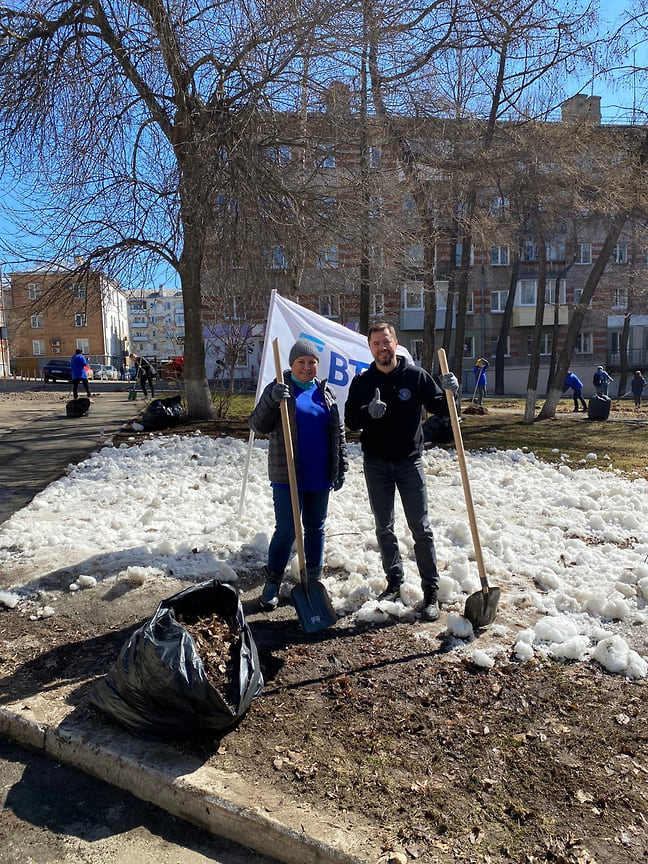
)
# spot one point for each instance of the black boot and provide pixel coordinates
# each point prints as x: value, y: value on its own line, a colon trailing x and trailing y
x: 270, y: 595
x: 314, y: 574
x: 392, y: 591
x: 430, y: 610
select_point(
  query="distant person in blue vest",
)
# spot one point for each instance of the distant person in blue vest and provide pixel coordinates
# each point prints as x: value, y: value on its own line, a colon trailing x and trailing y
x: 601, y: 380
x: 637, y: 386
x: 573, y: 381
x: 79, y: 375
x: 479, y: 371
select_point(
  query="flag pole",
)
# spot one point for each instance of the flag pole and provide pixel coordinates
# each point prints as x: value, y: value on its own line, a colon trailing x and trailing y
x: 259, y: 390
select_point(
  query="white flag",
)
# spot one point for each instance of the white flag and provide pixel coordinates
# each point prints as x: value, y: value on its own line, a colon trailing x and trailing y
x: 342, y: 353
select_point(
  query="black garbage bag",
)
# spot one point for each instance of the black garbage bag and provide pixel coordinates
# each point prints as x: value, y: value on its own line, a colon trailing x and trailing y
x: 163, y: 413
x: 437, y: 431
x: 159, y: 686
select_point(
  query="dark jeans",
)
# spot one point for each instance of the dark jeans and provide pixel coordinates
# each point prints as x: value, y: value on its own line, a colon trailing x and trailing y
x: 75, y: 386
x: 313, y: 507
x: 383, y: 478
x: 578, y: 394
x: 144, y: 380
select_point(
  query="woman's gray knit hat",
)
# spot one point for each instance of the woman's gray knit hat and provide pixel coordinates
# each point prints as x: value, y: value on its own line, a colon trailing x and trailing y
x: 302, y: 348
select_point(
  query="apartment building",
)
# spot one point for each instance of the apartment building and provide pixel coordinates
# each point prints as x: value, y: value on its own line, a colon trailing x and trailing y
x: 55, y: 309
x: 365, y: 226
x: 156, y: 319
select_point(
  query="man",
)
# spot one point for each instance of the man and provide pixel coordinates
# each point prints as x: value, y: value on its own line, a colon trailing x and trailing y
x: 143, y: 371
x: 601, y: 380
x: 576, y: 385
x: 385, y: 402
x: 79, y: 374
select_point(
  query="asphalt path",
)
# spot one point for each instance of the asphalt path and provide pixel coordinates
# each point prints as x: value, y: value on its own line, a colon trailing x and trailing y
x: 52, y: 813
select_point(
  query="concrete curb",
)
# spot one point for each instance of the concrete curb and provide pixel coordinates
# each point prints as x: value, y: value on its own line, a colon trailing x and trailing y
x: 218, y: 802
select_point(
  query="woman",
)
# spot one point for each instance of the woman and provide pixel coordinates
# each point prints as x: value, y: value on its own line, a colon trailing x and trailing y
x: 637, y: 386
x: 321, y: 461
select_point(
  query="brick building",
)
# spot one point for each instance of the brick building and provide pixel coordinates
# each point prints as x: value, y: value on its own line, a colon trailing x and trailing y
x: 364, y: 223
x: 52, y: 311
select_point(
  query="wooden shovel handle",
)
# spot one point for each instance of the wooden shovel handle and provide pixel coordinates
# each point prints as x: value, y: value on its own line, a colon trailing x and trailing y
x: 290, y: 459
x: 461, y: 455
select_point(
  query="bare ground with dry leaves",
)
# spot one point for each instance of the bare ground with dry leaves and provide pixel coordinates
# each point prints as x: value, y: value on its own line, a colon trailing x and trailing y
x: 540, y: 762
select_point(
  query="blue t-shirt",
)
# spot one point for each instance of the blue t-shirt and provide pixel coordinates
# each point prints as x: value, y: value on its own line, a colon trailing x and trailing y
x: 78, y: 363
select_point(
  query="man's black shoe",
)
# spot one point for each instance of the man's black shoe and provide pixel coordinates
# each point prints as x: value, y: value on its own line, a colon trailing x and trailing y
x: 391, y: 593
x: 431, y: 611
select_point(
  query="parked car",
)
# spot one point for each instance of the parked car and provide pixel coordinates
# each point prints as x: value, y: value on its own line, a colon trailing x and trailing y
x: 57, y: 370
x: 103, y: 372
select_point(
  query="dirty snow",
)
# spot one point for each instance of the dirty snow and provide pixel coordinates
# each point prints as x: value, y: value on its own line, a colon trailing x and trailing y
x: 568, y: 548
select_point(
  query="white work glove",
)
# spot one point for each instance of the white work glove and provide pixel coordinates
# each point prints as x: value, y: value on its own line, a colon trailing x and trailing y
x: 376, y: 407
x: 279, y: 391
x: 449, y: 382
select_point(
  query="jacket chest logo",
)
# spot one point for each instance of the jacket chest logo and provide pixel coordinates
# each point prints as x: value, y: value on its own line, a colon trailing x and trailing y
x: 404, y: 394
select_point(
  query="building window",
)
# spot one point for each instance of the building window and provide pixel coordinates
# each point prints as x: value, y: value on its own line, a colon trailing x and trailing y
x: 376, y: 257
x: 470, y: 302
x: 329, y: 305
x: 578, y: 293
x: 84, y: 345
x: 34, y: 291
x: 620, y: 298
x: 179, y: 319
x: 619, y: 254
x: 442, y: 295
x: 275, y: 258
x: 584, y: 344
x: 375, y: 207
x: 327, y: 258
x: 36, y: 322
x: 550, y: 292
x: 546, y: 343
x: 416, y: 349
x: 413, y: 255
x: 499, y: 256
x: 374, y: 157
x: 459, y: 255
x: 499, y: 208
x: 409, y: 207
x: 498, y: 301
x: 530, y: 252
x: 80, y: 319
x: 79, y: 292
x: 469, y: 346
x: 377, y: 302
x: 556, y: 251
x: 38, y: 347
x: 325, y: 156
x: 137, y: 306
x: 527, y: 289
x: 584, y: 253
x: 412, y: 295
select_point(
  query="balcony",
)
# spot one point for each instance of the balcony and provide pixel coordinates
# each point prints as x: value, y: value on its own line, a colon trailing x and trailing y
x: 524, y: 316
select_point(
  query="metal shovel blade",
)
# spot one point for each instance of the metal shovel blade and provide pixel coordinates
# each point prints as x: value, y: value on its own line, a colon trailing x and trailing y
x: 481, y: 607
x: 313, y: 606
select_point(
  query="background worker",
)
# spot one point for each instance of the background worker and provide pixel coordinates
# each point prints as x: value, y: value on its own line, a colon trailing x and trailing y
x: 573, y: 381
x: 79, y: 374
x: 143, y: 371
x: 479, y: 371
x: 601, y: 380
x: 385, y: 402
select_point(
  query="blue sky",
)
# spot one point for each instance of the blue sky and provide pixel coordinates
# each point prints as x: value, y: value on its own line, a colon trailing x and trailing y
x: 617, y: 102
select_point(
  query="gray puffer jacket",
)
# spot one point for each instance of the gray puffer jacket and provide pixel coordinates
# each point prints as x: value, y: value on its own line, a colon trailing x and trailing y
x: 266, y: 420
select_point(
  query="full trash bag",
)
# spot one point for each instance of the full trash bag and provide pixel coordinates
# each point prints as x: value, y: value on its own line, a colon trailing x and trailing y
x: 158, y: 687
x: 163, y: 413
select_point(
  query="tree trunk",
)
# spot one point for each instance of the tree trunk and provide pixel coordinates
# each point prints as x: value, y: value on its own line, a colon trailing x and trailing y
x: 554, y: 390
x: 534, y: 364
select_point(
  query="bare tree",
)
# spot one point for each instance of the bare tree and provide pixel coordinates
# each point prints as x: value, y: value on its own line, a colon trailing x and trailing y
x: 131, y: 117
